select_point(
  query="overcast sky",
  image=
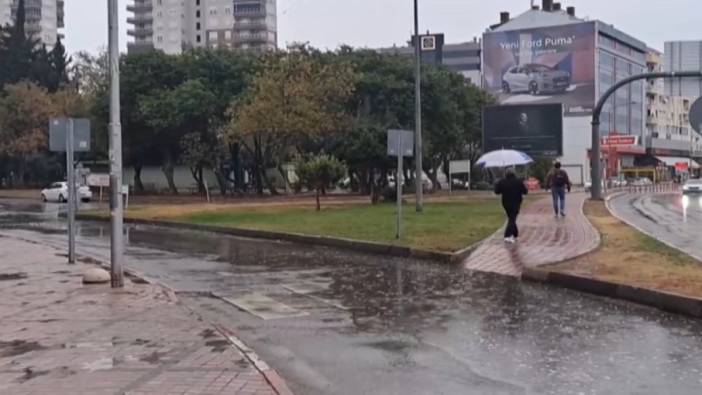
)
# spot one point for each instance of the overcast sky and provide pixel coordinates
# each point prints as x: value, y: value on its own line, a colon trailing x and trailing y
x: 376, y: 23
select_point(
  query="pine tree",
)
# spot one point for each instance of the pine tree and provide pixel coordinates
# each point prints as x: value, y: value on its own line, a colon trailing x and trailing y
x: 59, y: 62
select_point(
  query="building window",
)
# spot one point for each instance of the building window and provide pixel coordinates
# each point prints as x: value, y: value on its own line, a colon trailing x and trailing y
x: 197, y: 26
x: 159, y: 39
x: 228, y: 35
x: 197, y: 2
x: 212, y: 36
x: 197, y: 14
x: 198, y: 38
x: 227, y: 11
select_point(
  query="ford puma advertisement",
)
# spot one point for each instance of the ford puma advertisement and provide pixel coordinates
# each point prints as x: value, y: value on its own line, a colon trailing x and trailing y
x: 539, y: 66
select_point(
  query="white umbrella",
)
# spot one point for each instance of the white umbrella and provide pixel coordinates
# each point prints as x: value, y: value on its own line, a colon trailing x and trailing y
x: 504, y: 158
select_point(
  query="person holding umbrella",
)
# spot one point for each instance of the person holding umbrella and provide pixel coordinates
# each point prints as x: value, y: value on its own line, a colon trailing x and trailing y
x: 511, y: 188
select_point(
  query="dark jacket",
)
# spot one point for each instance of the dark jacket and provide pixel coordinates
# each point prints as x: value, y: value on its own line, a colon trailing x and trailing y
x: 512, y: 190
x: 550, y: 181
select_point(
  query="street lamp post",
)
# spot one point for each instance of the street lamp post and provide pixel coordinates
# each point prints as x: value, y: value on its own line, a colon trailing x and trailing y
x: 595, y: 164
x: 116, y: 213
x: 419, y: 180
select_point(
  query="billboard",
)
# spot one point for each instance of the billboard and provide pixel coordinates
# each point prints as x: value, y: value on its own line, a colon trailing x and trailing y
x: 536, y: 129
x: 553, y: 64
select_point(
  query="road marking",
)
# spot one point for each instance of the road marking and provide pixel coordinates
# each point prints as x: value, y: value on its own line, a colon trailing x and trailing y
x: 307, y: 289
x: 263, y: 307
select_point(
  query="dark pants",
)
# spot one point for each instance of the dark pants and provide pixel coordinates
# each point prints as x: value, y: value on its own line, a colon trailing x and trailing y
x: 512, y: 213
x: 559, y: 195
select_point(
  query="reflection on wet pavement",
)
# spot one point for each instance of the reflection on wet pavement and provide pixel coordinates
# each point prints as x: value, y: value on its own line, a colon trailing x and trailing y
x: 347, y: 323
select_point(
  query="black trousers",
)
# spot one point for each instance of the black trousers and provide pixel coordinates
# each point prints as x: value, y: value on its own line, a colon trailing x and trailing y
x: 512, y: 214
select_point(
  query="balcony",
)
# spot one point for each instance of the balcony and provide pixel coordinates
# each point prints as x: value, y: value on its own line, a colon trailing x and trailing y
x: 248, y: 38
x: 251, y: 25
x: 140, y: 8
x: 140, y: 19
x: 141, y: 33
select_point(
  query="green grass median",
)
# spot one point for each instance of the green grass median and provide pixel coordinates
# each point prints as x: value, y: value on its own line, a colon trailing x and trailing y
x: 444, y: 226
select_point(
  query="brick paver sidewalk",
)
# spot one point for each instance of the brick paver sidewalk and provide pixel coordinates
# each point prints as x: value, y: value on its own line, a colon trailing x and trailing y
x: 60, y: 337
x: 543, y: 239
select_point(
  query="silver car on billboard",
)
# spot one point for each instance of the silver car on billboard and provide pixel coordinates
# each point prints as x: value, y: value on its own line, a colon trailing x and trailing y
x: 535, y: 79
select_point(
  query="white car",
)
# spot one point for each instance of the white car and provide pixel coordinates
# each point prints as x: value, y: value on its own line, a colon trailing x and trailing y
x: 692, y: 186
x: 58, y: 192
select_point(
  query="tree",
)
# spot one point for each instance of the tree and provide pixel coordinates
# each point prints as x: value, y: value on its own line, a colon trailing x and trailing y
x: 173, y: 114
x: 319, y: 172
x: 25, y: 111
x: 60, y: 63
x: 296, y: 97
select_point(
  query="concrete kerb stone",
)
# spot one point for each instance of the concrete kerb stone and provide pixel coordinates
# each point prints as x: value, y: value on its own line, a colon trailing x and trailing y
x: 272, y: 377
x: 666, y: 301
x: 638, y: 228
x: 341, y: 243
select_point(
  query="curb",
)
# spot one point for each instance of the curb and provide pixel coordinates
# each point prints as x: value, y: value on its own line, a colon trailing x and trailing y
x: 271, y: 376
x: 666, y: 301
x: 641, y: 230
x: 341, y: 243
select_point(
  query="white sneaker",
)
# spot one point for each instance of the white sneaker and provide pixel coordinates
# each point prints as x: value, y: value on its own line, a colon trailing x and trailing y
x: 509, y: 240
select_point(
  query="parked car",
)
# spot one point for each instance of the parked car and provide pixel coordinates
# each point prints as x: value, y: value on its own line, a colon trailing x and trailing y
x: 617, y: 182
x: 642, y: 182
x: 588, y: 185
x: 535, y: 79
x: 692, y: 186
x: 58, y: 192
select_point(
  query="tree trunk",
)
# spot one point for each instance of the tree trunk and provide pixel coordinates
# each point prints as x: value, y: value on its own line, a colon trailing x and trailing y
x: 167, y: 169
x: 284, y: 175
x: 434, y: 178
x: 138, y: 184
x: 221, y: 181
x: 269, y: 184
x: 319, y: 207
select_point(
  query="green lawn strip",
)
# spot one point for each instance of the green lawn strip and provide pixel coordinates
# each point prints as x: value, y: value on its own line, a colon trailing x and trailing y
x: 648, y: 243
x: 446, y: 226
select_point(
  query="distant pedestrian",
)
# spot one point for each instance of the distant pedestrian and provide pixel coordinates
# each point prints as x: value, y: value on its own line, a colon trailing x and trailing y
x: 512, y: 190
x: 559, y: 182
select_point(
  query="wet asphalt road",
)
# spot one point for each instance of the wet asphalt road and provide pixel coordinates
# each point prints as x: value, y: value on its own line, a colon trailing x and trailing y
x: 345, y: 323
x: 673, y: 218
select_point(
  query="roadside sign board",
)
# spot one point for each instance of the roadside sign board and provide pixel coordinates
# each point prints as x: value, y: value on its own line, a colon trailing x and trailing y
x: 618, y: 141
x: 696, y: 115
x: 58, y: 129
x: 459, y: 166
x: 98, y: 180
x: 404, y: 139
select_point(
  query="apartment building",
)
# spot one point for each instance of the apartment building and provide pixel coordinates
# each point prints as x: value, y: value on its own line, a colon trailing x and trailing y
x: 667, y: 119
x: 463, y: 58
x: 172, y: 26
x: 683, y: 56
x: 44, y: 18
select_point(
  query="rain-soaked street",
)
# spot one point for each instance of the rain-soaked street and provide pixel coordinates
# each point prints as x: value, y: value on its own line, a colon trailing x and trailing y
x: 335, y: 322
x: 673, y: 218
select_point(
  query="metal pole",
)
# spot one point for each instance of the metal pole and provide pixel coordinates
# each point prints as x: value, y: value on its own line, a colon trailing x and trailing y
x: 398, y: 185
x: 116, y: 211
x: 70, y: 170
x: 419, y: 180
x: 595, y: 165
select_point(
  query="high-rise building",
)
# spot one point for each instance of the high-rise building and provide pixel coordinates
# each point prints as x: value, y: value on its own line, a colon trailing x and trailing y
x: 174, y: 25
x: 43, y: 20
x: 683, y: 56
x: 669, y: 134
x: 463, y: 58
x: 549, y: 55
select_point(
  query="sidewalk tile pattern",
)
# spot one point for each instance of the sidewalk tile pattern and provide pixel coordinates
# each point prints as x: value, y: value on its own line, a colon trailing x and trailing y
x: 544, y: 239
x: 60, y: 337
